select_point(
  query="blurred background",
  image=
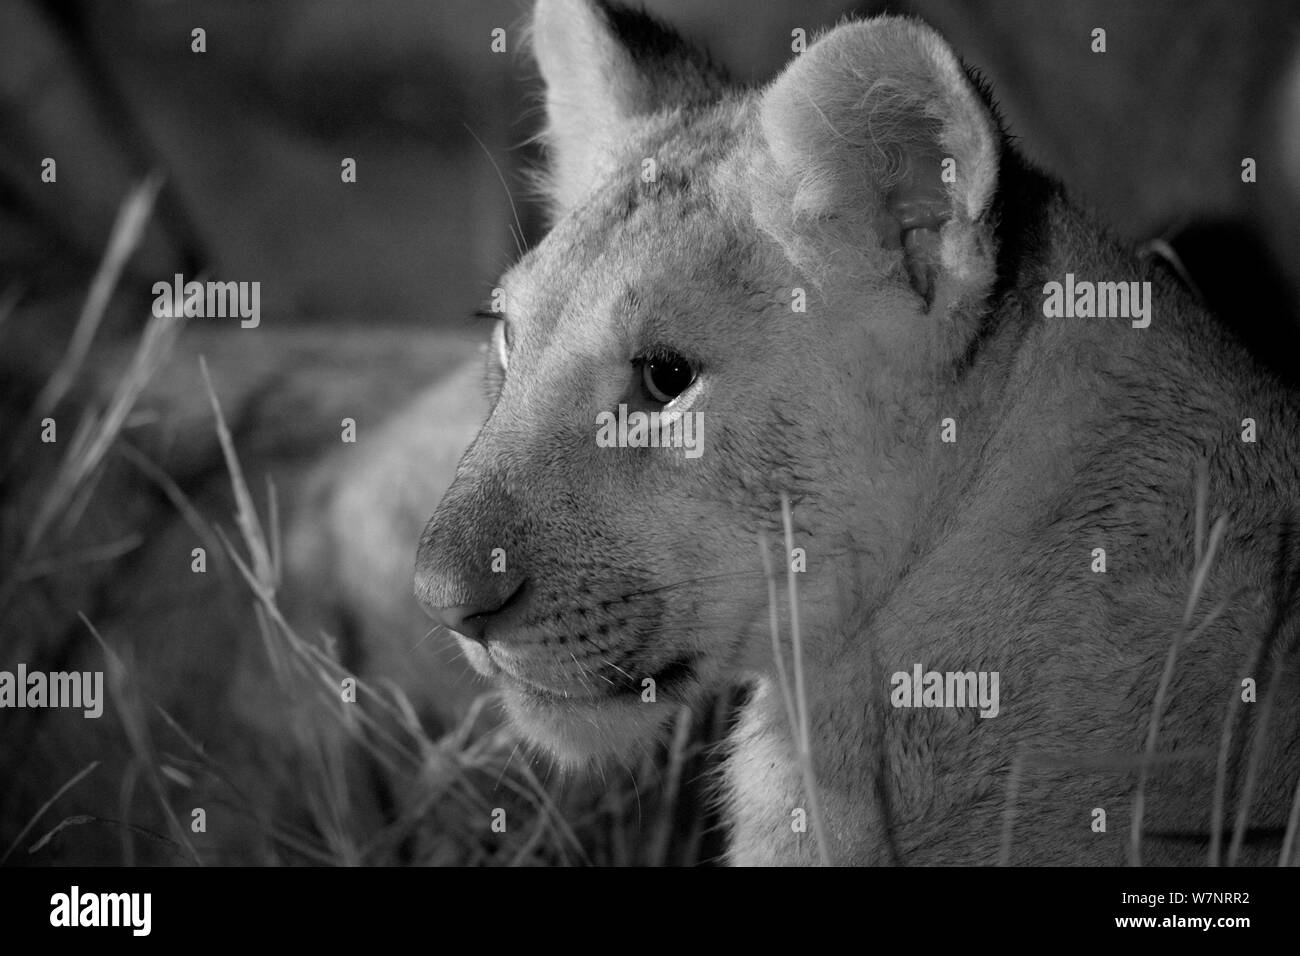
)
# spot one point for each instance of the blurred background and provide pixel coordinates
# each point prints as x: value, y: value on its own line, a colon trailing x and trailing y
x: 251, y: 133
x: 366, y: 289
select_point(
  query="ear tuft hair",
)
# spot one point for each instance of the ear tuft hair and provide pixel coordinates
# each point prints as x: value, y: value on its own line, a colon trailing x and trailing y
x: 605, y: 67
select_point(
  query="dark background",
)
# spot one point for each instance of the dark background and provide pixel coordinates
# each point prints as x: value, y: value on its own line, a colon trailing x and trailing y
x: 251, y: 133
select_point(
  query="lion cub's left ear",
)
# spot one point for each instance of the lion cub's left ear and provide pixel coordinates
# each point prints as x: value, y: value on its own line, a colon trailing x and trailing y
x: 880, y: 135
x: 605, y: 68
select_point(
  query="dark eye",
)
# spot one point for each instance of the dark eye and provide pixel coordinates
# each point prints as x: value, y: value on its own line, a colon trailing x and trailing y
x: 666, y: 375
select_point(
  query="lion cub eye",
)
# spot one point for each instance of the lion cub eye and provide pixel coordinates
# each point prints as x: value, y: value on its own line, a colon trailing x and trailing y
x: 501, y: 343
x: 666, y: 375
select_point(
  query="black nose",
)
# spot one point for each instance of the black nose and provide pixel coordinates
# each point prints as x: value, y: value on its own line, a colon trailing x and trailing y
x: 467, y: 568
x: 469, y: 620
x: 458, y: 588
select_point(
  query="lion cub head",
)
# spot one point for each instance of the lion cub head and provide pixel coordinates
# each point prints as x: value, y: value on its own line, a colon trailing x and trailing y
x: 743, y: 294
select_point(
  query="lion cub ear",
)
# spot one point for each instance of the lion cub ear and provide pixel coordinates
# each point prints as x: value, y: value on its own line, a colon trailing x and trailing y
x: 604, y: 68
x: 877, y: 129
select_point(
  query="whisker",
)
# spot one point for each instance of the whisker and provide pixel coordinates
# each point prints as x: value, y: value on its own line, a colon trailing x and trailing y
x: 506, y: 766
x: 696, y: 580
x: 513, y: 211
x: 724, y: 575
x: 608, y: 663
x: 432, y: 631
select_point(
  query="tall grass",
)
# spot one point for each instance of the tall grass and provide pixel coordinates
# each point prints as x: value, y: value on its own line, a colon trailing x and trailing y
x: 363, y: 781
x: 1206, y: 544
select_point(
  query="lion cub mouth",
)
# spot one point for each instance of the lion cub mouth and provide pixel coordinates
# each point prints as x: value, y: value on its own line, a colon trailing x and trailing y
x: 591, y: 685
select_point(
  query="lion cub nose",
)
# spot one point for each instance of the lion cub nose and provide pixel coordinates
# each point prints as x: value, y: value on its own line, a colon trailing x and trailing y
x: 465, y: 619
x: 460, y: 585
x: 465, y: 602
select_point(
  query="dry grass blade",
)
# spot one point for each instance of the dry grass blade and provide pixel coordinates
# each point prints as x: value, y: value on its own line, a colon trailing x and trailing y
x: 86, y: 819
x: 534, y: 791
x: 1201, y: 519
x: 76, y: 477
x: 250, y: 527
x: 96, y: 433
x: 136, y: 727
x: 1221, y: 779
x: 167, y: 485
x: 676, y: 760
x: 128, y: 230
x: 1288, y: 854
x: 72, y: 782
x: 91, y: 555
x: 1204, y: 562
x: 1254, y: 763
x: 799, y: 723
x: 76, y: 820
x: 1226, y: 734
x: 782, y: 676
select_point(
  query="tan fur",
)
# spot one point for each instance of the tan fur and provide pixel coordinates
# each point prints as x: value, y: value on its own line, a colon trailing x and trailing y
x: 1072, y: 434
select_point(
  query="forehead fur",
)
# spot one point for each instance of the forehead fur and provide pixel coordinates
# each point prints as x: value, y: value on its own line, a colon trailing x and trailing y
x: 693, y: 198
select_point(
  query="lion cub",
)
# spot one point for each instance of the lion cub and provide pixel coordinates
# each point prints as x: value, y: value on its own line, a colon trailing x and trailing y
x: 989, y: 420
